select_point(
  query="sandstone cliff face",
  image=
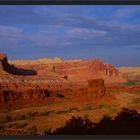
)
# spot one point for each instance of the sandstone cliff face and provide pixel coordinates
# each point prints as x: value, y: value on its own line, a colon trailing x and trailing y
x: 37, y: 81
x: 55, y: 75
x: 81, y: 71
x: 96, y: 89
x: 12, y: 96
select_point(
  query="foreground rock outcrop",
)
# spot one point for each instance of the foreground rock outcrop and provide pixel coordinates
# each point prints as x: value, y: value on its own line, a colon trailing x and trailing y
x: 96, y: 88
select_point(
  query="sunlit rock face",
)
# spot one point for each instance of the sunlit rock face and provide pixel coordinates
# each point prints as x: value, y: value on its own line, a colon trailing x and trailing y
x: 96, y: 88
x: 37, y: 79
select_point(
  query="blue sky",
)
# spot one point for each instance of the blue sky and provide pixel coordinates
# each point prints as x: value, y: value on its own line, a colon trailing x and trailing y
x: 110, y: 33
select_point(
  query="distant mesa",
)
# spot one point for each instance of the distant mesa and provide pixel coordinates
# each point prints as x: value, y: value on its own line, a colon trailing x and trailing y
x: 75, y: 70
x: 38, y: 61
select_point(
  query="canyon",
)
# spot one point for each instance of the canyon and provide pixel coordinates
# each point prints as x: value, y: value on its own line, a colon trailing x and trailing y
x: 42, y: 78
x: 46, y: 93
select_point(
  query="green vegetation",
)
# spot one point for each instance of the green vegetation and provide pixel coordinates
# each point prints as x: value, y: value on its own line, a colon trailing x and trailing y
x: 136, y: 92
x: 44, y: 113
x: 136, y: 101
x: 88, y: 107
x: 19, y: 126
x: 112, y: 107
x: 101, y: 106
x: 66, y: 111
x: 31, y: 115
x: 9, y: 118
x: 130, y: 83
x: 19, y: 117
x: 28, y: 116
x: 46, y: 131
x: 13, y: 125
x: 5, y: 119
x: 86, y: 116
x: 32, y: 130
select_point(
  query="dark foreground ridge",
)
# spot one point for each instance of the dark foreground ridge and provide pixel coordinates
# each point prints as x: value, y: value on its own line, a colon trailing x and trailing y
x: 126, y: 122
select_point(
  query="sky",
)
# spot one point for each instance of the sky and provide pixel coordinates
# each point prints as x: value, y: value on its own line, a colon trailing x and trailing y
x: 110, y: 33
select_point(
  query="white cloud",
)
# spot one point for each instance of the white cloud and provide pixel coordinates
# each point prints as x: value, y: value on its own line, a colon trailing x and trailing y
x: 12, y: 32
x: 86, y: 32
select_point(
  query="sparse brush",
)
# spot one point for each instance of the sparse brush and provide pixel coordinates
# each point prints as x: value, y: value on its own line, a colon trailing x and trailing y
x: 5, y: 119
x: 32, y: 130
x: 73, y: 109
x: 130, y: 83
x: 30, y: 115
x: 101, y: 106
x: 86, y: 116
x: 44, y: 113
x: 19, y: 126
x: 46, y: 131
x: 19, y: 117
x: 60, y: 111
x: 136, y: 92
x: 113, y: 109
x: 88, y: 107
x: 136, y: 101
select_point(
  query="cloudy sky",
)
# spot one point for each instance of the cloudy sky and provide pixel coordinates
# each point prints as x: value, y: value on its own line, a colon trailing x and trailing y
x: 110, y: 33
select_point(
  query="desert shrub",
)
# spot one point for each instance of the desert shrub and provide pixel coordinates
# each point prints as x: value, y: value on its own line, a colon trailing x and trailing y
x: 30, y: 115
x: 101, y: 106
x: 65, y: 111
x: 32, y: 130
x: 7, y: 125
x: 19, y: 126
x: 136, y: 92
x: 46, y: 131
x: 88, y: 107
x: 19, y: 117
x: 113, y: 108
x: 44, y: 113
x: 136, y: 101
x: 61, y: 111
x: 5, y: 118
x: 130, y: 83
x: 73, y: 109
x: 86, y: 116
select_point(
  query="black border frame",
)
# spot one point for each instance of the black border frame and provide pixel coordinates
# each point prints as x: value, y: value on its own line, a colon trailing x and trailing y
x: 71, y: 2
x: 73, y: 137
